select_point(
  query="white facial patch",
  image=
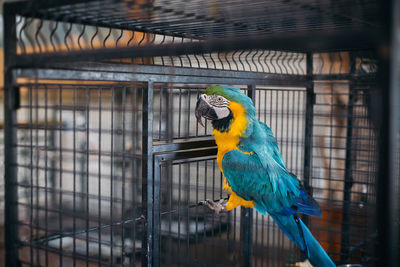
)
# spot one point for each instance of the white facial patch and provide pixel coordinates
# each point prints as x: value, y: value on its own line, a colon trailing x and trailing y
x: 221, y: 112
x: 216, y: 101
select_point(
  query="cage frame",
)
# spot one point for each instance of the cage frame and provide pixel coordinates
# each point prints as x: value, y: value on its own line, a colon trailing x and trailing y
x: 18, y: 66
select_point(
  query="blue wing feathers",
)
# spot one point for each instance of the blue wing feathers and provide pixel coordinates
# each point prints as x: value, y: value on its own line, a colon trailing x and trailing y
x: 250, y: 180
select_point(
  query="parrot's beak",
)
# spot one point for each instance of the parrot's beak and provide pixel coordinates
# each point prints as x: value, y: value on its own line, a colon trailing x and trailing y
x: 203, y: 109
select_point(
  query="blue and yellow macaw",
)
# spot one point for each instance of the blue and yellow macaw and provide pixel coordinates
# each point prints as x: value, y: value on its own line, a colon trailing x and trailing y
x: 249, y: 157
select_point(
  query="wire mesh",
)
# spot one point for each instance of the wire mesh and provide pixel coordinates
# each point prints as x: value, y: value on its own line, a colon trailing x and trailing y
x: 81, y: 141
x: 51, y: 27
x: 192, y: 235
x: 37, y: 36
x: 283, y: 109
x: 80, y: 189
x: 78, y: 175
x: 173, y: 113
x: 79, y: 168
x: 344, y: 168
x: 199, y: 19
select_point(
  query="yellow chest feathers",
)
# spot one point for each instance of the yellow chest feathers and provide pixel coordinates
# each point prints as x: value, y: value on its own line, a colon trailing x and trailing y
x: 228, y: 141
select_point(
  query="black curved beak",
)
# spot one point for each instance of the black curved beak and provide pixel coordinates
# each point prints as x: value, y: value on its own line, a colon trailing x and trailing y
x: 203, y: 109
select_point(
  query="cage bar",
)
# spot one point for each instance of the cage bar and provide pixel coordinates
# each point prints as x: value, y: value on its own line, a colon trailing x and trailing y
x: 10, y: 135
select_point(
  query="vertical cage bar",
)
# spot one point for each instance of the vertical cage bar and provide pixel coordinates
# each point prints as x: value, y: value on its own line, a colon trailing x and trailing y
x: 387, y: 182
x: 11, y: 100
x: 134, y: 169
x: 394, y: 140
x: 246, y: 214
x: 348, y: 176
x: 74, y: 206
x: 123, y: 183
x: 246, y: 233
x: 60, y: 173
x: 156, y: 213
x: 310, y: 101
x: 112, y: 181
x: 147, y: 175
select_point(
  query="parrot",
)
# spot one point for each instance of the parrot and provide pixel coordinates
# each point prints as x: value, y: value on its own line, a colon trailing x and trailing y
x: 255, y: 172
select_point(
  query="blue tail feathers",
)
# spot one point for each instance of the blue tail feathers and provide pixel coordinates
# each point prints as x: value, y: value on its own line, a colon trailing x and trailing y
x: 298, y: 232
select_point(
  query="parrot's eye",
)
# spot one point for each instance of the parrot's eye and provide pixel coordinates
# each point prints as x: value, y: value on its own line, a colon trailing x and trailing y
x: 219, y: 99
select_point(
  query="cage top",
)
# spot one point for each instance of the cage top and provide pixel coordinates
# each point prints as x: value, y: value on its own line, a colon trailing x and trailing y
x: 205, y: 19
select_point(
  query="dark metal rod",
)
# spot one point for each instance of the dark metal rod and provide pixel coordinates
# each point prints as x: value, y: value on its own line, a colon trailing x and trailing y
x: 11, y: 100
x: 99, y: 173
x: 310, y: 96
x: 60, y: 178
x: 147, y: 175
x: 388, y: 124
x: 161, y: 74
x: 156, y: 214
x: 246, y: 233
x: 168, y: 71
x: 61, y: 234
x: 26, y: 6
x: 287, y: 41
x: 203, y: 143
x: 246, y: 214
x: 123, y: 184
x: 348, y: 176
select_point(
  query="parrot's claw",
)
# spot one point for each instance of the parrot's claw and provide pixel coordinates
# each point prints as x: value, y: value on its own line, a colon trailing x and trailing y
x: 218, y: 206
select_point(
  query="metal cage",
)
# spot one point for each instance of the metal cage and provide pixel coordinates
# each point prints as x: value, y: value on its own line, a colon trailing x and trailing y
x: 105, y: 163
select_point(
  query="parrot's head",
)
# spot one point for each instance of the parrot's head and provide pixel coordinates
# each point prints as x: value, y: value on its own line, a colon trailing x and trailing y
x: 221, y: 103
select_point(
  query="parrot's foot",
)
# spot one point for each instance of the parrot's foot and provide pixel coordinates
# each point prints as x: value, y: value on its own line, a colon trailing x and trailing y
x: 218, y: 206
